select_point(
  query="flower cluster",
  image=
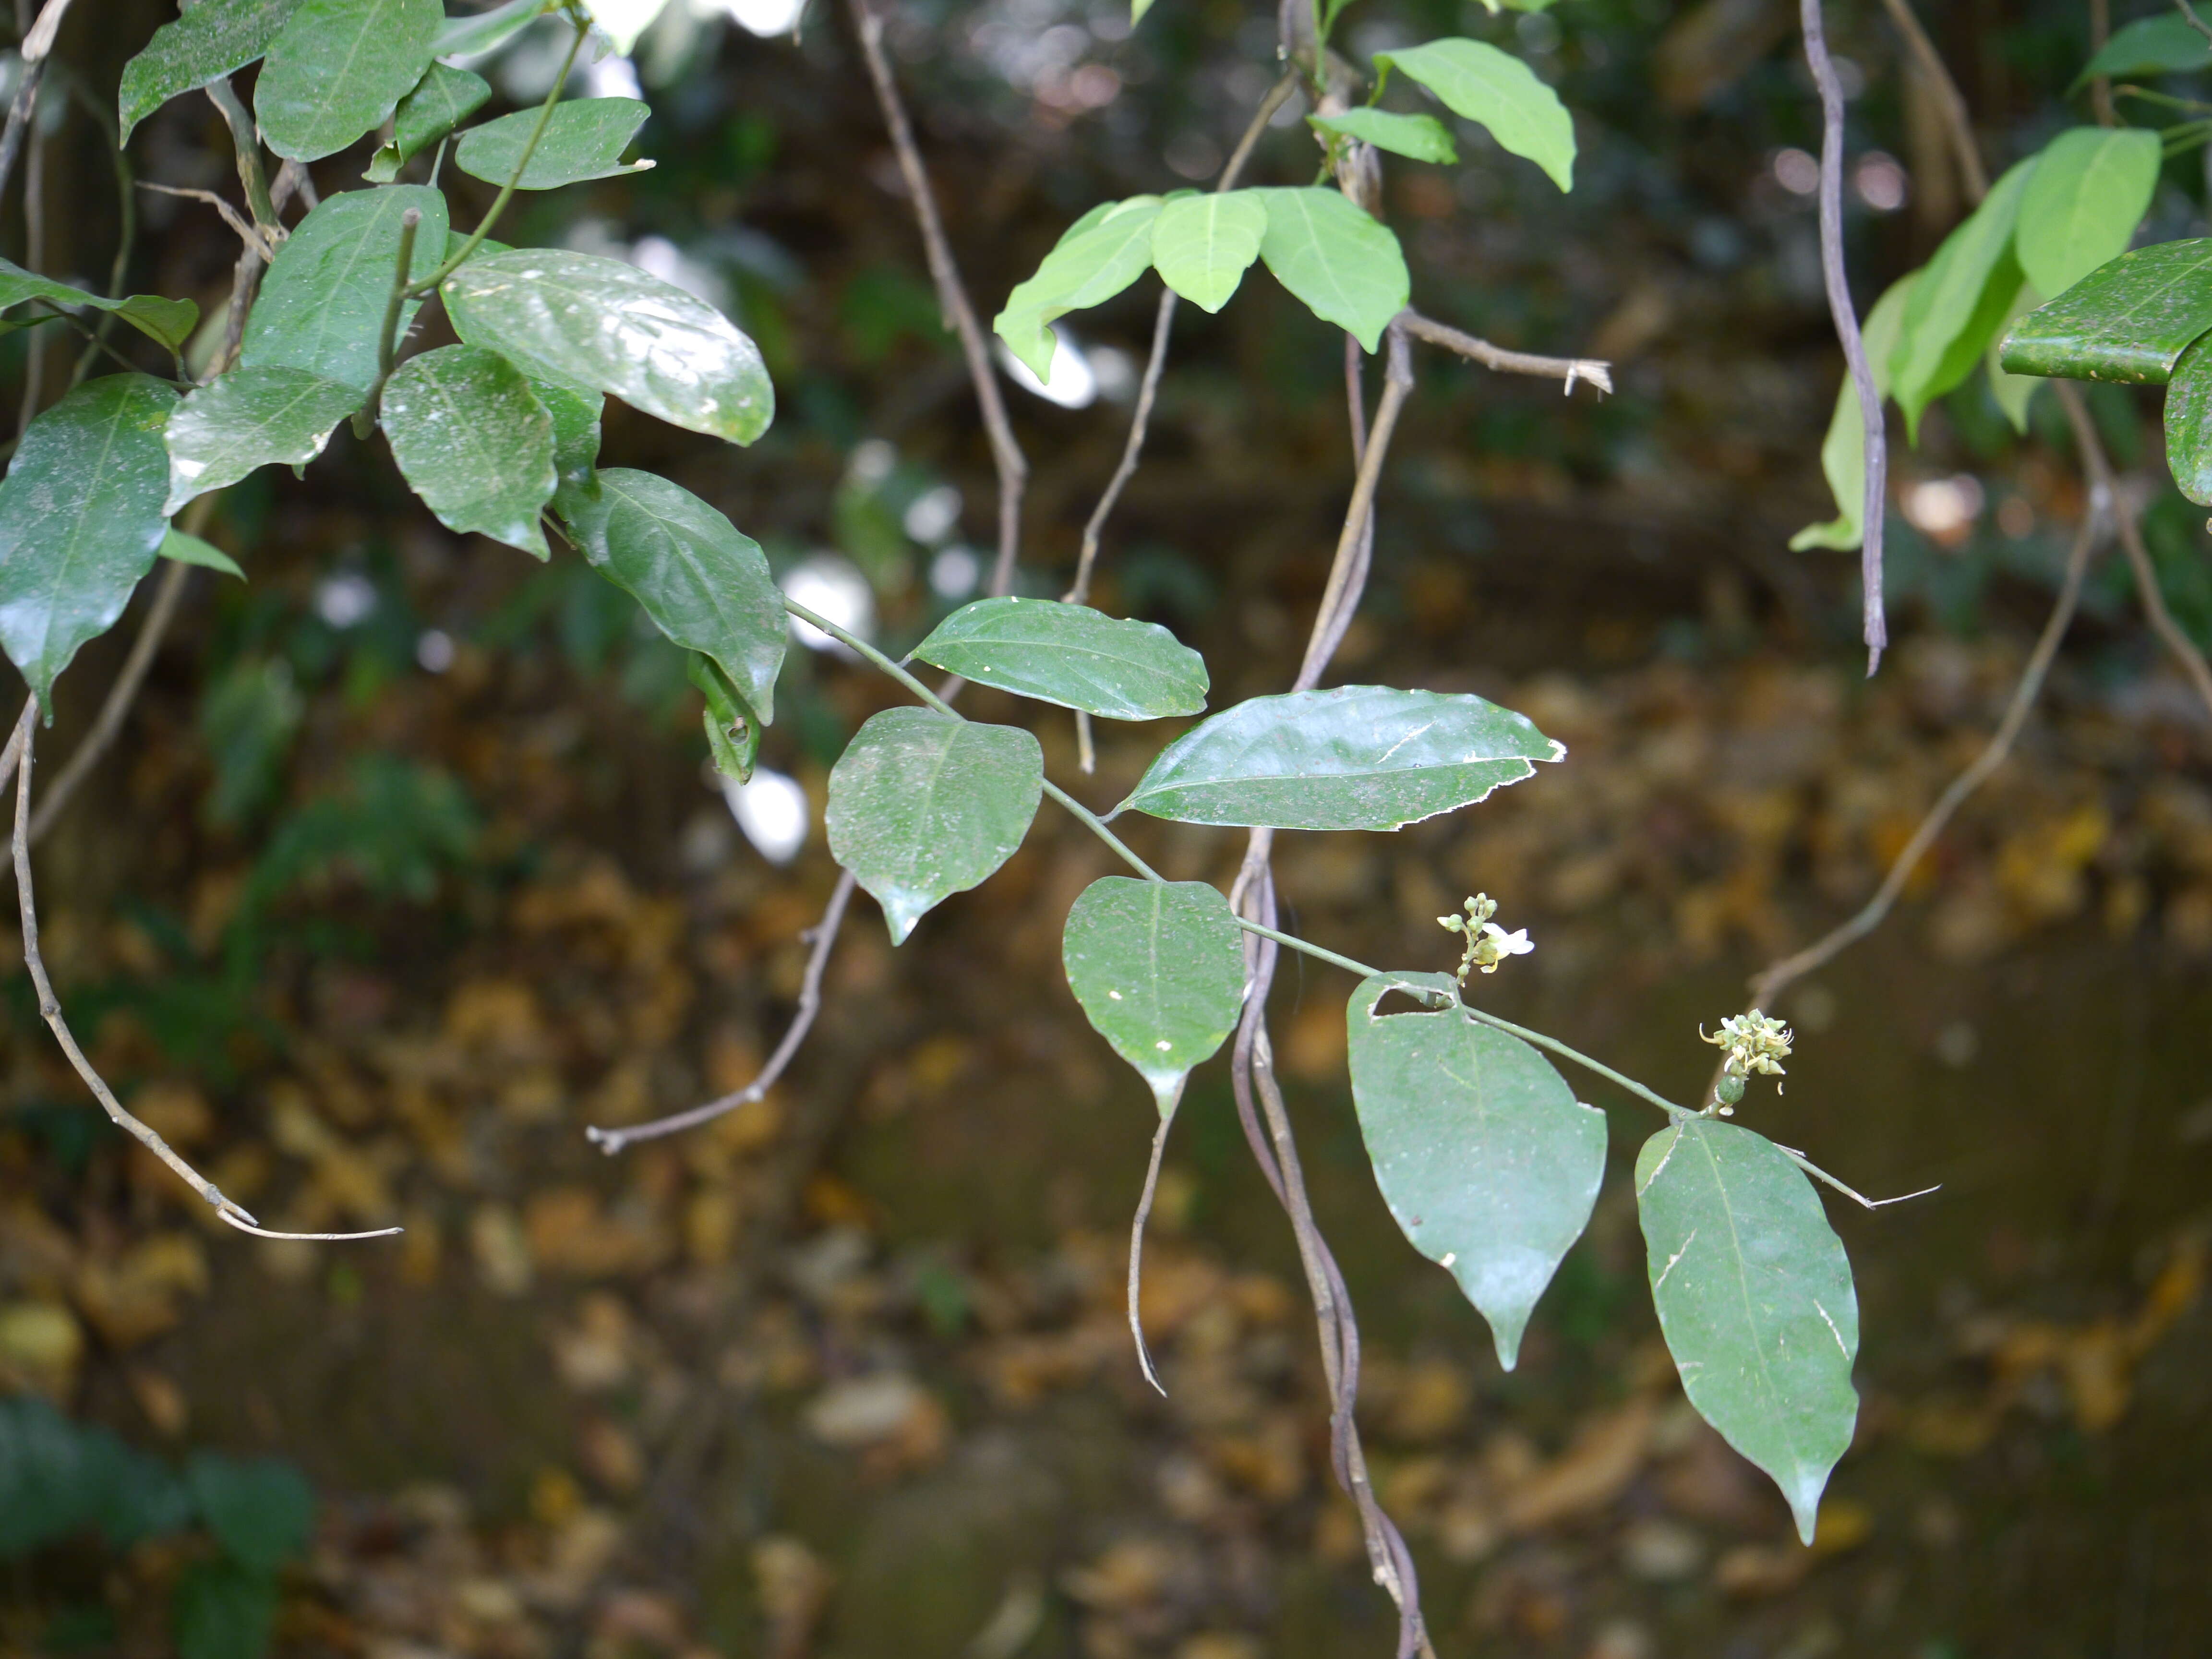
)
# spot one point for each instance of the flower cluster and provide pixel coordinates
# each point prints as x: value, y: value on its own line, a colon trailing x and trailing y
x: 1488, y: 944
x: 1752, y: 1042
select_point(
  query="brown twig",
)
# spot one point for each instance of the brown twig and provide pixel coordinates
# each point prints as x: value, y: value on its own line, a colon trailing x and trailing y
x: 38, y: 46
x: 247, y: 231
x: 1568, y: 369
x: 1948, y: 100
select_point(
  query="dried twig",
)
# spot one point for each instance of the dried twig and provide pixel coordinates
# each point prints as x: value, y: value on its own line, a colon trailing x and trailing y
x: 1567, y: 369
x: 248, y: 232
x: 38, y: 46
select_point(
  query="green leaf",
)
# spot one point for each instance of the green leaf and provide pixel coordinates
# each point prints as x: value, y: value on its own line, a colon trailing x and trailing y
x: 1159, y: 970
x: 474, y: 442
x: 1331, y: 255
x: 591, y: 321
x: 338, y: 67
x: 250, y: 418
x: 1843, y: 452
x: 1423, y: 138
x: 734, y: 733
x: 2013, y: 392
x: 2090, y: 190
x: 261, y: 1510
x: 441, y: 102
x: 1488, y: 1163
x: 322, y: 303
x: 1072, y: 655
x: 575, y: 431
x: 2164, y: 44
x: 1358, y: 758
x: 1754, y: 1297
x: 2128, y: 320
x: 2188, y: 424
x: 224, y: 1611
x: 169, y: 322
x: 1203, y: 245
x: 705, y: 584
x: 473, y: 33
x: 1101, y: 254
x: 212, y: 38
x: 1958, y: 301
x: 79, y: 519
x: 1137, y: 10
x: 583, y: 139
x: 923, y: 805
x: 623, y: 20
x: 191, y: 549
x: 1481, y: 83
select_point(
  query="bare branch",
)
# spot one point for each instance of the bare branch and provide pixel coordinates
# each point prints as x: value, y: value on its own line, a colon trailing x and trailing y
x: 2196, y: 23
x: 248, y: 232
x: 1948, y: 99
x: 38, y: 47
x: 1851, y: 1193
x: 1137, y: 1247
x: 1568, y: 369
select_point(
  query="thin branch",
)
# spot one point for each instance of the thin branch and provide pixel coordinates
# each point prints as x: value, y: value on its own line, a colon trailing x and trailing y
x: 1347, y: 572
x: 1851, y: 1193
x: 1567, y: 369
x: 38, y: 46
x: 2196, y: 23
x: 1948, y: 100
x: 19, y: 753
x: 245, y: 144
x: 1137, y: 1246
x: 387, y: 338
x: 34, y: 255
x: 248, y: 233
x: 1837, y: 281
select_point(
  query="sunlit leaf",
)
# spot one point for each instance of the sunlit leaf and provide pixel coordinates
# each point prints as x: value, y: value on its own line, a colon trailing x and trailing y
x: 212, y: 39
x: 191, y: 549
x: 1843, y: 452
x: 322, y: 304
x: 704, y: 584
x: 338, y: 67
x: 1203, y: 245
x: 1343, y: 266
x: 2128, y: 320
x: 167, y: 322
x: 250, y: 418
x: 1358, y: 758
x: 1481, y: 83
x: 2090, y: 190
x: 474, y: 442
x: 1159, y: 970
x: 441, y: 102
x: 583, y: 320
x: 472, y: 34
x: 1755, y: 1300
x: 623, y: 20
x: 1958, y: 301
x: 1101, y: 254
x: 1421, y: 137
x: 2161, y: 45
x: 923, y: 805
x: 1072, y: 655
x: 80, y: 519
x: 584, y: 138
x: 1488, y: 1163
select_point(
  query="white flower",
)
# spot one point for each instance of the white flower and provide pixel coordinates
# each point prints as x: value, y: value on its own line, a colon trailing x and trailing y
x: 1496, y: 944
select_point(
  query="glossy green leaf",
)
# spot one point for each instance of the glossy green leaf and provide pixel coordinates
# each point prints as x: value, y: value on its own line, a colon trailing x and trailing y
x: 1755, y: 1300
x: 1481, y: 83
x: 212, y: 39
x: 1358, y: 758
x: 705, y: 584
x: 80, y: 521
x: 733, y: 732
x: 583, y: 139
x: 167, y: 322
x: 1203, y: 245
x: 2128, y: 320
x: 474, y: 442
x: 585, y: 320
x: 1343, y: 266
x: 1958, y: 301
x: 191, y: 549
x: 322, y: 303
x: 923, y: 805
x: 2090, y: 190
x: 473, y: 33
x: 1101, y: 254
x: 1072, y: 655
x: 1843, y: 452
x: 338, y: 67
x: 260, y: 1510
x: 1159, y: 970
x: 1488, y: 1163
x: 1421, y: 137
x: 623, y: 20
x: 2163, y: 44
x: 575, y: 431
x: 2188, y: 424
x: 441, y: 102
x: 250, y: 418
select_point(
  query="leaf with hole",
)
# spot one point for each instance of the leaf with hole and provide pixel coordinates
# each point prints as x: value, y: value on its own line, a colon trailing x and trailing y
x: 704, y: 584
x: 583, y: 139
x: 474, y: 442
x: 1958, y: 301
x: 168, y: 323
x: 322, y: 304
x: 1072, y: 655
x: 80, y: 521
x: 2091, y: 187
x: 212, y: 39
x: 338, y: 67
x: 2162, y: 44
x: 1754, y: 1299
x: 1480, y: 83
x: 1345, y: 268
x: 250, y: 418
x: 734, y: 733
x: 1418, y: 137
x: 2129, y: 320
x: 1100, y: 254
x: 1488, y: 1163
x: 1159, y: 968
x: 923, y: 805
x: 1843, y: 452
x: 472, y: 34
x: 1203, y: 245
x: 585, y: 320
x: 441, y: 100
x: 1357, y: 757
x: 180, y: 549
